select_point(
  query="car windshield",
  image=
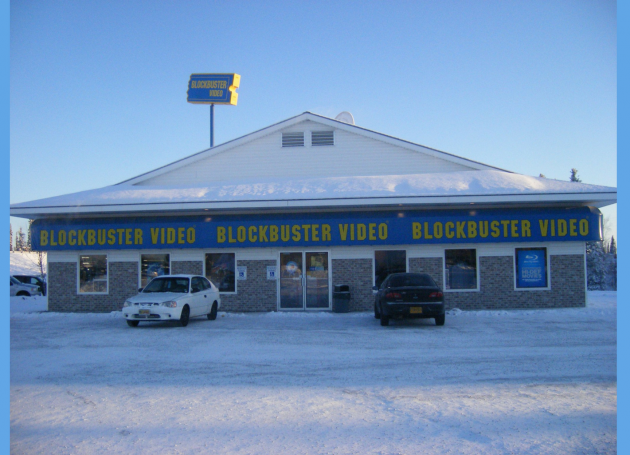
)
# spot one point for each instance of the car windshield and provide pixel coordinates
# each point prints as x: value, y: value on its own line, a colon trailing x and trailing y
x: 168, y: 285
x: 411, y: 280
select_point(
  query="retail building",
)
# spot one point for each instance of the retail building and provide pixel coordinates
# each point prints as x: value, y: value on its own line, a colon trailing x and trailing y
x: 278, y: 217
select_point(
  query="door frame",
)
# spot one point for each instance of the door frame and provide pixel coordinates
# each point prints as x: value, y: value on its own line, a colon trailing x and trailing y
x: 303, y: 252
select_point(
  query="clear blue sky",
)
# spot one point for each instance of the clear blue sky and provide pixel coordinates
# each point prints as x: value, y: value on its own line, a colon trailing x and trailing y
x: 98, y: 89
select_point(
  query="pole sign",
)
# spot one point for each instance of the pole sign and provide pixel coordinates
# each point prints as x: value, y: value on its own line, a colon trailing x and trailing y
x: 213, y: 88
x: 320, y: 229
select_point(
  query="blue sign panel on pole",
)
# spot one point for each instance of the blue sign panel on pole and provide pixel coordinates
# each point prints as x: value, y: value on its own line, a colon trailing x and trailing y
x: 319, y: 229
x: 531, y: 268
x: 213, y: 88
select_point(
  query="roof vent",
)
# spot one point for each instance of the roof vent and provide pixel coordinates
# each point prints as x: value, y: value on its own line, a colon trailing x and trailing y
x: 345, y: 117
x: 322, y: 138
x: 293, y: 139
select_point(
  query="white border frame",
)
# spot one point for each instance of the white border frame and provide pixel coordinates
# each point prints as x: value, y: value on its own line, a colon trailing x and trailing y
x: 547, y: 265
x: 303, y: 252
x: 477, y: 271
x: 203, y: 260
x: 79, y: 273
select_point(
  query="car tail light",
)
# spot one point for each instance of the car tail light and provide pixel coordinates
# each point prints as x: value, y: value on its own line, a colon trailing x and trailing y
x: 393, y: 295
x: 436, y: 295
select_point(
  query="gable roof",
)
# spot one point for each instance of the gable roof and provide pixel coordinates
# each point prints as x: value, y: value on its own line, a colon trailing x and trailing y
x: 325, y: 121
x: 481, y: 184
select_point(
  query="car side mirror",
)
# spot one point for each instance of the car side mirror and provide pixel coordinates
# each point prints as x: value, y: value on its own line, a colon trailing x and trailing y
x: 140, y: 289
x: 375, y: 288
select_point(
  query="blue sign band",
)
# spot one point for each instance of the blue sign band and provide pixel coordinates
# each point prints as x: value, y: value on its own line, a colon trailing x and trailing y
x: 319, y: 229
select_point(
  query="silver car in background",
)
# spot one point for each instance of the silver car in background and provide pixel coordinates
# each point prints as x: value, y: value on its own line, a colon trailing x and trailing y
x: 22, y: 289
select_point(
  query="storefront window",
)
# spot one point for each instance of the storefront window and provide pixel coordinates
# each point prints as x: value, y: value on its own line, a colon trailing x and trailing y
x: 221, y: 270
x: 388, y: 262
x: 531, y: 268
x: 93, y: 274
x: 152, y: 265
x: 461, y: 269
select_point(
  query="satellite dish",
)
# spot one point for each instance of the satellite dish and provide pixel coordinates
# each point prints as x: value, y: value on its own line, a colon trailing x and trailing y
x: 345, y: 117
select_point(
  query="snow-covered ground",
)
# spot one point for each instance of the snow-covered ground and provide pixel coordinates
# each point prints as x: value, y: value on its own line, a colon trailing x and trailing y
x: 492, y: 382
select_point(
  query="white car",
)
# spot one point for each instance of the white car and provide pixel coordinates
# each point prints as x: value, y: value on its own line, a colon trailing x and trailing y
x: 173, y: 298
x: 22, y: 289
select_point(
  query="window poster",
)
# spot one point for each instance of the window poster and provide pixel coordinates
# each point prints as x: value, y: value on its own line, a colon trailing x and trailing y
x: 531, y: 266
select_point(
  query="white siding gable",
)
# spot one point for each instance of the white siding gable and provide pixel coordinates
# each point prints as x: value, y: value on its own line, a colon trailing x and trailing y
x: 352, y: 154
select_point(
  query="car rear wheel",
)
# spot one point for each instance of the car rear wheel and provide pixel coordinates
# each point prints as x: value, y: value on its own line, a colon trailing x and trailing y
x: 132, y: 323
x: 213, y: 312
x: 439, y: 320
x: 185, y: 317
x: 384, y: 321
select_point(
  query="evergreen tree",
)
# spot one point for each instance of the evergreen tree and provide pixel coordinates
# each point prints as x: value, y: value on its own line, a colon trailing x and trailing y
x: 613, y: 246
x: 574, y: 176
x: 11, y: 237
x: 28, y: 246
x: 595, y: 266
x: 542, y: 176
x: 19, y: 240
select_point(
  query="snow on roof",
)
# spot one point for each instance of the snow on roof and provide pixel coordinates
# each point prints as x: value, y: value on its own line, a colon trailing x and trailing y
x: 453, y: 185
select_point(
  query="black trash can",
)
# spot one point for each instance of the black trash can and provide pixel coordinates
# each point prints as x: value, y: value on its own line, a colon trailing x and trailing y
x: 341, y: 298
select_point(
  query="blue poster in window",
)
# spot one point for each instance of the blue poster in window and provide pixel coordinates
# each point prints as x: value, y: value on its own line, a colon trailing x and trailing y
x: 531, y: 268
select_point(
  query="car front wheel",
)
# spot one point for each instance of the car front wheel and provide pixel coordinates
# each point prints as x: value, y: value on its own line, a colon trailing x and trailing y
x: 23, y: 294
x: 132, y: 323
x: 213, y: 312
x: 384, y: 321
x: 377, y: 315
x: 184, y: 318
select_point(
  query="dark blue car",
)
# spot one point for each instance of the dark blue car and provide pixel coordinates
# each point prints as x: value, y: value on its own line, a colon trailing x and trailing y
x: 409, y: 295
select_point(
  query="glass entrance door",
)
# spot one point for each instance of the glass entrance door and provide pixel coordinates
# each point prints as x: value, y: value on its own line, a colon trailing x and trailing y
x: 304, y: 281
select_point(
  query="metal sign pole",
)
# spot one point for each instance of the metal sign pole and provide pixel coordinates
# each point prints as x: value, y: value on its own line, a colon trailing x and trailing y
x: 211, y: 125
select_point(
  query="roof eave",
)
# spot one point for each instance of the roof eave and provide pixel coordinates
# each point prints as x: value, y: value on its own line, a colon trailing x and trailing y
x: 598, y: 200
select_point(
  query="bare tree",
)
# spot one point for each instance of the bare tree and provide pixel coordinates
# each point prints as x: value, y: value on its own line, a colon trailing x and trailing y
x: 10, y: 237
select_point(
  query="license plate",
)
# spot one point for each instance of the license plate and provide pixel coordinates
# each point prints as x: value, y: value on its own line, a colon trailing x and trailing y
x: 144, y: 312
x: 415, y: 309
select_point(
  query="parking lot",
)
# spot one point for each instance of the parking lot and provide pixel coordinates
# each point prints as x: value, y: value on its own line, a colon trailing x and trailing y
x: 487, y: 382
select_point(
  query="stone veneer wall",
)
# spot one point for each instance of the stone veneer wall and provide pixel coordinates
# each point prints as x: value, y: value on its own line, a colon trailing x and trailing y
x: 256, y: 293
x: 357, y: 273
x: 497, y: 286
x: 63, y: 295
x: 186, y: 268
x: 259, y: 294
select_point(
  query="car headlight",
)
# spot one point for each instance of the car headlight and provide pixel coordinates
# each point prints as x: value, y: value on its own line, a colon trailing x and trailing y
x: 127, y: 303
x: 169, y: 304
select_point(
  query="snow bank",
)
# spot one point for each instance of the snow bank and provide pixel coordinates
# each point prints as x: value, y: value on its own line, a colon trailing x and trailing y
x: 25, y: 263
